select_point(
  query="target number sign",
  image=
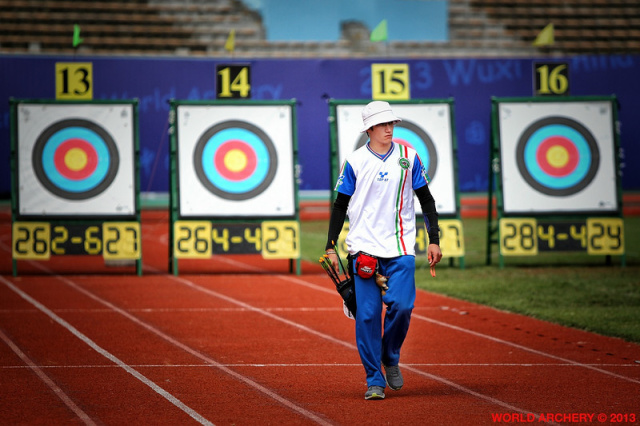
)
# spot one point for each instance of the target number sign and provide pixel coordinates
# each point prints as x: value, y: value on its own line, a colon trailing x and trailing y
x: 41, y: 240
x: 233, y: 81
x: 551, y: 79
x: 529, y: 236
x: 390, y: 82
x: 202, y: 239
x: 74, y: 80
x: 451, y: 238
x: 558, y: 156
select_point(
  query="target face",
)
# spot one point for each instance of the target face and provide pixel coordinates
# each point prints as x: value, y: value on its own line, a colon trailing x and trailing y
x: 235, y: 160
x: 427, y: 128
x: 76, y: 159
x: 557, y: 156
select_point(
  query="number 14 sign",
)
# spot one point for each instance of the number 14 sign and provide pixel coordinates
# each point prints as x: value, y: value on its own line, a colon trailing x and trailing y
x: 233, y: 82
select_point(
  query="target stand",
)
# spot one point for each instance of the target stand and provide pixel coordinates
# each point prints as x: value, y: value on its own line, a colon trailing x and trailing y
x: 75, y: 181
x: 233, y: 182
x: 555, y: 169
x: 428, y: 127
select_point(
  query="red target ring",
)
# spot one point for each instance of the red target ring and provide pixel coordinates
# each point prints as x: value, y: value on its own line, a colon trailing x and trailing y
x: 76, y: 159
x: 557, y: 156
x: 235, y: 160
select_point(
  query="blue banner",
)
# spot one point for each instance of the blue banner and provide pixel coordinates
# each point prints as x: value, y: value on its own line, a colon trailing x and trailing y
x: 470, y: 82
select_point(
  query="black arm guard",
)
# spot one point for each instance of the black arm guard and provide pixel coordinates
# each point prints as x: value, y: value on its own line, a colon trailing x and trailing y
x: 336, y: 222
x: 428, y: 205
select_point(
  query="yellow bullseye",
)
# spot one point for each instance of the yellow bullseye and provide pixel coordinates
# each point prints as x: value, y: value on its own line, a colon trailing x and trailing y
x: 558, y: 156
x: 235, y: 160
x: 76, y: 159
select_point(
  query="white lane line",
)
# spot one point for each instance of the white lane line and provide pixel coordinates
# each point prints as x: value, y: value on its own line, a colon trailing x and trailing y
x: 494, y: 339
x: 463, y: 389
x: 175, y: 401
x: 287, y: 403
x: 525, y: 348
x: 443, y: 324
x: 47, y: 381
x: 309, y: 365
x: 169, y: 310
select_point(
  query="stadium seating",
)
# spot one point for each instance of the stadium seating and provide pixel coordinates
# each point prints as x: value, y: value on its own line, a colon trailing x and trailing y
x: 201, y: 27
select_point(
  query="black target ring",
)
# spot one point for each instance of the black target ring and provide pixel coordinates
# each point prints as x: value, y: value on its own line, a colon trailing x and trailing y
x: 94, y: 135
x: 572, y: 131
x: 207, y: 146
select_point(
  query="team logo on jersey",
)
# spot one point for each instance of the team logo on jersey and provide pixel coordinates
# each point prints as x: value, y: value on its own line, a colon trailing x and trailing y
x: 382, y: 177
x: 404, y: 163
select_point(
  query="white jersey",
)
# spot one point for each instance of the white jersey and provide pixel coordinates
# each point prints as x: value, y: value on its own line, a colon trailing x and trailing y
x: 381, y: 213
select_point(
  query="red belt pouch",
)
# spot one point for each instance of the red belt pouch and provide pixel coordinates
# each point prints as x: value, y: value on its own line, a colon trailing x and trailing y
x: 366, y: 265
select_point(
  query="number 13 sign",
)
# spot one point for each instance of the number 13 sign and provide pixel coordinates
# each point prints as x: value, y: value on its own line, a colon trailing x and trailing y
x: 74, y: 80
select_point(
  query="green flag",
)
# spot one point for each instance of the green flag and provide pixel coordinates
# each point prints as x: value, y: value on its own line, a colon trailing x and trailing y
x: 379, y: 33
x: 76, y: 36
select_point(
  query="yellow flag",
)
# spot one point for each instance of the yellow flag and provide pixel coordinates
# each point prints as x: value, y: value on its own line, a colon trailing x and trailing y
x: 230, y: 44
x: 545, y: 37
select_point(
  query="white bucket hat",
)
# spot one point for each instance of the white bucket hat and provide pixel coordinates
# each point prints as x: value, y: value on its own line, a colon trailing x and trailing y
x: 377, y: 112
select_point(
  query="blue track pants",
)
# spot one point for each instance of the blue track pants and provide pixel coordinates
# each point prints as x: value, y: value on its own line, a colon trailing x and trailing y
x: 375, y: 347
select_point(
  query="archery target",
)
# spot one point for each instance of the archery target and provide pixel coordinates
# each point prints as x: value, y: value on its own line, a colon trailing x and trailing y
x: 558, y: 157
x: 76, y: 159
x: 235, y: 160
x: 427, y: 128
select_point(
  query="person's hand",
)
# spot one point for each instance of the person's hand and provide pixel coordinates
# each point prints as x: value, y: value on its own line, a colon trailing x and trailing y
x: 434, y: 255
x: 333, y: 258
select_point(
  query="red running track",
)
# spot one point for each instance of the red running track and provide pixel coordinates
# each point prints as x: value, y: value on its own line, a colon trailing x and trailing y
x: 238, y: 340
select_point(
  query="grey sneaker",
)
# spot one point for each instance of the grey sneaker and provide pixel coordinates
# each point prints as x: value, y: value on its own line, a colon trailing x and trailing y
x: 394, y: 377
x: 374, y: 392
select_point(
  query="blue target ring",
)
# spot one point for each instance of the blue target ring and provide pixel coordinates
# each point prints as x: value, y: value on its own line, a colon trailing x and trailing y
x: 569, y: 137
x: 253, y: 163
x: 408, y: 133
x: 97, y: 144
